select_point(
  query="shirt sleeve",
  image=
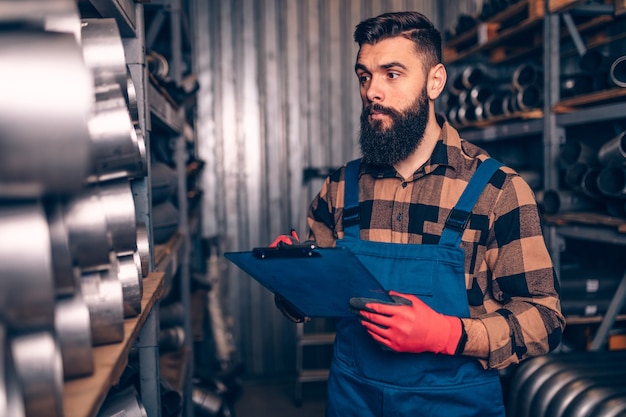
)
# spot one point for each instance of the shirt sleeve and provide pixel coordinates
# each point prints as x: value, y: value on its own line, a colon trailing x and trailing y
x: 524, y: 318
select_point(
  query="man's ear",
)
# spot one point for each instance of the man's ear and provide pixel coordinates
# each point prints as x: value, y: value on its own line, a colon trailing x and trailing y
x: 437, y: 77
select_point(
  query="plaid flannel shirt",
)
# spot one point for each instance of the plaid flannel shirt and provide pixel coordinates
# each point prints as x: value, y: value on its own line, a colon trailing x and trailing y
x: 510, y: 280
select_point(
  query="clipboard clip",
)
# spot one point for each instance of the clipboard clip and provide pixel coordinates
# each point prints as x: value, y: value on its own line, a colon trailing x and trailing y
x: 299, y: 250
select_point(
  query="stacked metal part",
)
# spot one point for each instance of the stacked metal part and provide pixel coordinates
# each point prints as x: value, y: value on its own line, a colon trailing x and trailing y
x: 72, y: 256
x: 570, y: 384
x: 595, y: 175
x: 474, y: 94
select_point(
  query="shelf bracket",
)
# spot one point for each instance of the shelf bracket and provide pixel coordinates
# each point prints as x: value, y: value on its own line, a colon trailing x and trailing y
x: 609, y: 318
x: 573, y: 32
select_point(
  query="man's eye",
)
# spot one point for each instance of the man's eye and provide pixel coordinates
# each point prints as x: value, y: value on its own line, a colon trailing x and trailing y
x: 364, y: 78
x: 393, y: 75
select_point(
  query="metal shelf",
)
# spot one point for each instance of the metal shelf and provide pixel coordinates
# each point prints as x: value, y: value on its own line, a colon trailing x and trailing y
x: 504, y: 131
x: 122, y: 10
x: 164, y: 111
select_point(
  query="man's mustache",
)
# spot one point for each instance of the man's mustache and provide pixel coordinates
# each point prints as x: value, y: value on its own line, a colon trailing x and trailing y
x: 378, y: 108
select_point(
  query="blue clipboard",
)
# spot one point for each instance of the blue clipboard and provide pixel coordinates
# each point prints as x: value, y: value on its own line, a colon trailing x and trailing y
x: 317, y: 282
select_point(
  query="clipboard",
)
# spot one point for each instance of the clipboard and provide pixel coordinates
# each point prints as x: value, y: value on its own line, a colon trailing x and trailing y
x: 317, y: 282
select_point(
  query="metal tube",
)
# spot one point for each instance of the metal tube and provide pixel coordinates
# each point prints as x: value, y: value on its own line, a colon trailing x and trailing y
x: 617, y: 71
x: 612, y: 181
x: 613, y: 151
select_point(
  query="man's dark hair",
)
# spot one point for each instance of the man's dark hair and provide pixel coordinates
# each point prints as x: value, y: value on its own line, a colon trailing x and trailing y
x: 410, y: 25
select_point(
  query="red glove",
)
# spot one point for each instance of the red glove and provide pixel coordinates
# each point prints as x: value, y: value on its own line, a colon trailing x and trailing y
x: 290, y: 239
x: 409, y: 325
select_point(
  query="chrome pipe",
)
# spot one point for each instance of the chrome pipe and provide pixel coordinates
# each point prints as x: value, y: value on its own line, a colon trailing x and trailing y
x: 66, y: 277
x: 103, y: 51
x: 11, y: 395
x: 42, y: 140
x: 116, y: 151
x: 525, y: 75
x: 72, y: 324
x: 103, y: 294
x: 132, y: 284
x: 118, y: 206
x: 51, y: 16
x: 26, y: 276
x: 576, y: 151
x: 39, y: 370
x: 143, y: 248
x: 529, y: 97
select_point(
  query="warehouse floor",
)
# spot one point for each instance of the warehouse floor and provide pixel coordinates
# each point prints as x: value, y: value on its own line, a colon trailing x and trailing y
x: 276, y: 399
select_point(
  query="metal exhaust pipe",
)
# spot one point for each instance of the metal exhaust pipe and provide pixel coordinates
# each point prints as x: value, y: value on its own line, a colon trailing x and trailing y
x: 575, y: 151
x: 525, y: 75
x: 553, y: 201
x: 118, y: 206
x: 66, y: 278
x: 124, y: 403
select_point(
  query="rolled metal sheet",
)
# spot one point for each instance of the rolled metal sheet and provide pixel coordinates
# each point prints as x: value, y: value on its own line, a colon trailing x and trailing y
x: 116, y: 152
x: 132, y: 284
x: 26, y: 277
x: 118, y: 206
x: 124, y: 403
x: 87, y: 230
x: 11, y: 398
x: 613, y: 151
x: 143, y: 248
x: 39, y: 370
x: 72, y: 324
x: 103, y: 294
x: 66, y: 277
x: 46, y: 100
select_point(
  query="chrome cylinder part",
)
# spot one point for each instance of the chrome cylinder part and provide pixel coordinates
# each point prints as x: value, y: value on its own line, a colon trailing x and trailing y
x: 102, y: 291
x: 143, y: 248
x: 118, y: 206
x: 43, y: 129
x: 66, y: 277
x: 124, y: 403
x: 132, y: 284
x: 39, y: 370
x: 474, y: 75
x: 87, y: 230
x: 116, y: 152
x: 466, y: 114
x: 73, y: 329
x: 104, y: 51
x: 26, y: 277
x: 613, y: 151
x: 479, y: 94
x: 612, y: 181
x: 130, y: 93
x: 11, y: 396
x: 617, y: 72
x: 493, y: 106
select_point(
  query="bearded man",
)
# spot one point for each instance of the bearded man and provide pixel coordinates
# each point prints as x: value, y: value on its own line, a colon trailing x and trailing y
x: 451, y: 234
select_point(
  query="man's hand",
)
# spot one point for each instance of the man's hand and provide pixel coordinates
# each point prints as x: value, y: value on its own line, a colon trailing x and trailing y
x: 408, y: 324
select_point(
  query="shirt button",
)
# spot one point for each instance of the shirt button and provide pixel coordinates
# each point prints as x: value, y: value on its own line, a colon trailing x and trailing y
x: 399, y: 217
x: 404, y: 184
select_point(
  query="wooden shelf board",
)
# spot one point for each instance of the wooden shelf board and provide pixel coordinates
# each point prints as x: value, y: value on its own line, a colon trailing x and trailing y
x: 604, y: 96
x: 83, y: 397
x: 573, y: 320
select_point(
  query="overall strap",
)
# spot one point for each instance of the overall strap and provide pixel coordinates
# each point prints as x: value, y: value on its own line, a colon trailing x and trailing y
x: 460, y: 214
x: 351, y: 211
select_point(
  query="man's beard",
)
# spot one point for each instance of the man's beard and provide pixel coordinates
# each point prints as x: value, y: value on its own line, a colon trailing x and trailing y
x: 388, y: 146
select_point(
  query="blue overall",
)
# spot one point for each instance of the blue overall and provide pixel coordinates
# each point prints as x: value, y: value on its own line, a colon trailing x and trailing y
x: 367, y: 380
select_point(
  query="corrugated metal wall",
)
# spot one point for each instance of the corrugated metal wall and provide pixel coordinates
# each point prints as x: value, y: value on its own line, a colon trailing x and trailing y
x: 278, y: 95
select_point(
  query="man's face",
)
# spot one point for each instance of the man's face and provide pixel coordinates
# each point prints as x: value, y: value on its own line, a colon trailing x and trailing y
x: 395, y: 100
